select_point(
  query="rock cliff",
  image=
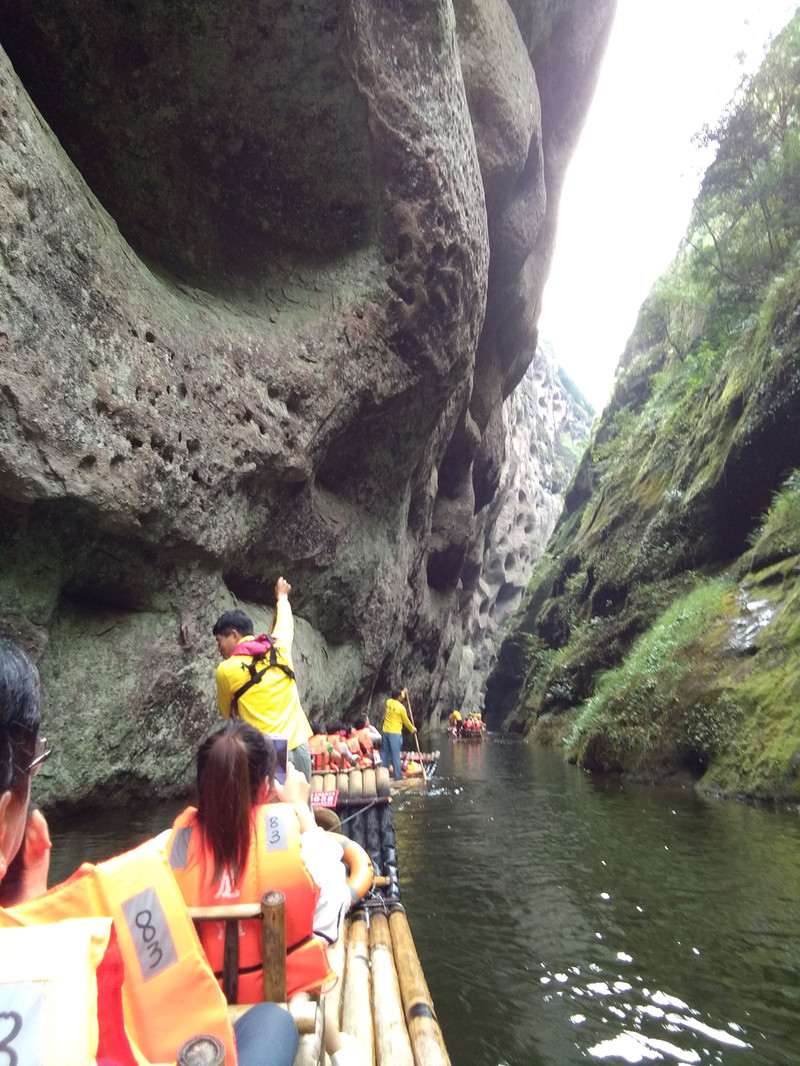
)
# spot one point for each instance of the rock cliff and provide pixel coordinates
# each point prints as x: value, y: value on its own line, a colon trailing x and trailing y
x: 547, y: 426
x: 270, y: 272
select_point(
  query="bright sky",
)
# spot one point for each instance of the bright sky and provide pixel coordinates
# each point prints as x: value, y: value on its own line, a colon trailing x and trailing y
x: 670, y: 67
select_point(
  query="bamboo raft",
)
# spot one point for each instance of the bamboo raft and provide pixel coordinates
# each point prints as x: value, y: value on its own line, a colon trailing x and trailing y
x: 357, y: 787
x: 383, y: 998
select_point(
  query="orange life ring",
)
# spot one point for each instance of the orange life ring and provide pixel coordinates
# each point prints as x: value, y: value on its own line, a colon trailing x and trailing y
x: 360, y: 872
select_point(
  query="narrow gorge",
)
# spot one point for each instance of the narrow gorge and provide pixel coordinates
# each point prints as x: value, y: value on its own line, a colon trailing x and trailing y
x: 659, y: 637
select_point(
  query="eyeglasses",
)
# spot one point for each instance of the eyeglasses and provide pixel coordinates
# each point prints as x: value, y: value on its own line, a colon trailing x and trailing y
x: 41, y: 754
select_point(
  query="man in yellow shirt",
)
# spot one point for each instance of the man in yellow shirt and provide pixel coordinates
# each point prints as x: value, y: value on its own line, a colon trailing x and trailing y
x: 255, y: 680
x: 456, y: 722
x: 393, y: 722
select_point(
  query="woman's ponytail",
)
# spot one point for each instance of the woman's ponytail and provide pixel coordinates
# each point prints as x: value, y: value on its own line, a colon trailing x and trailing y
x: 232, y: 766
x: 224, y: 802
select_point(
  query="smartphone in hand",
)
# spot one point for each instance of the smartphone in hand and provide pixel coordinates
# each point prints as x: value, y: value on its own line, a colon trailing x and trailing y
x: 281, y: 745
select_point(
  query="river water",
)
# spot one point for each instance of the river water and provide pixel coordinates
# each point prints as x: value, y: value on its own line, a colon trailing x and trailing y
x: 566, y: 919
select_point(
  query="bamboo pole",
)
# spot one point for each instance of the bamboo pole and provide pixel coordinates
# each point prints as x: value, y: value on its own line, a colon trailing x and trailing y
x: 416, y: 737
x: 357, y: 994
x: 304, y: 1013
x: 423, y: 1025
x: 230, y: 962
x: 392, y: 1044
x: 336, y: 960
x: 273, y: 946
x: 329, y: 782
x: 240, y: 911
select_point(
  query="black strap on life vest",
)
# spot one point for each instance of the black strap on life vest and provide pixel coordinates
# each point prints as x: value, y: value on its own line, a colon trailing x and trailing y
x: 258, y: 966
x: 256, y: 675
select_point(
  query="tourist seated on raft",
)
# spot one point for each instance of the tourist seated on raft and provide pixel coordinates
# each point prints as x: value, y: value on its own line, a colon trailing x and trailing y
x: 337, y: 743
x: 318, y: 747
x: 234, y: 846
x: 360, y: 758
x: 370, y: 736
x: 325, y: 749
x: 32, y: 931
x: 362, y: 733
x: 24, y: 839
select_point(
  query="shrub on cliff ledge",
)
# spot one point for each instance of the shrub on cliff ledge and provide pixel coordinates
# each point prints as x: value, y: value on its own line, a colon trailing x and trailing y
x: 647, y: 713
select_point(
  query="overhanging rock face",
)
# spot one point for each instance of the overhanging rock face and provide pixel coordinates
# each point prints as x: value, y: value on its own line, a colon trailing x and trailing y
x: 250, y: 326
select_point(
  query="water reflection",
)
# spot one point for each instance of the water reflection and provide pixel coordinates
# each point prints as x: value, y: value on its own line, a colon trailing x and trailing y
x: 97, y: 835
x: 562, y: 919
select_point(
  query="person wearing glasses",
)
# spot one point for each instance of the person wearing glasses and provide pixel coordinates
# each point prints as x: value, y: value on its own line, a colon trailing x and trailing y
x: 24, y: 839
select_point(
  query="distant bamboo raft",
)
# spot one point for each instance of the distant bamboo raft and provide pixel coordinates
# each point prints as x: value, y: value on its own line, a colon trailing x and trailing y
x: 384, y: 1000
x: 358, y: 787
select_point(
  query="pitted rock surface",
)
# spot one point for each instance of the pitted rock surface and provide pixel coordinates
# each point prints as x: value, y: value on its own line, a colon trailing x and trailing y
x: 270, y: 275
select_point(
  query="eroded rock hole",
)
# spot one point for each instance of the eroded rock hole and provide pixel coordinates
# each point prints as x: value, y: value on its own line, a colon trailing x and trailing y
x: 211, y: 170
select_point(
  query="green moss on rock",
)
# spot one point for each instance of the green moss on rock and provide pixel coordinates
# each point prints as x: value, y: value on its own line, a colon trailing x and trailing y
x: 668, y: 615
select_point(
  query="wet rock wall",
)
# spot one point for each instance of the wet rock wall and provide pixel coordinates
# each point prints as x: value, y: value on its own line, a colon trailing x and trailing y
x: 270, y: 274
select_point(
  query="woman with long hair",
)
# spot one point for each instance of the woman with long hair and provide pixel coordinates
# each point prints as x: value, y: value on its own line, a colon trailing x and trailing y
x: 235, y: 845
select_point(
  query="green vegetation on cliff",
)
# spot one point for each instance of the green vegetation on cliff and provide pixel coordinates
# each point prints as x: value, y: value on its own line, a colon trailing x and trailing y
x: 661, y: 633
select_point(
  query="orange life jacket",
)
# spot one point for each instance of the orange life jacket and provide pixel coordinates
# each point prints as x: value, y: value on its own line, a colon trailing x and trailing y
x: 354, y: 748
x: 318, y: 746
x: 61, y: 992
x: 361, y: 747
x: 273, y: 863
x: 364, y: 738
x: 169, y: 993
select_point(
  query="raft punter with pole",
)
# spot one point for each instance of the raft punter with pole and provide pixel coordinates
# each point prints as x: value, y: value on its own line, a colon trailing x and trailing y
x: 395, y: 720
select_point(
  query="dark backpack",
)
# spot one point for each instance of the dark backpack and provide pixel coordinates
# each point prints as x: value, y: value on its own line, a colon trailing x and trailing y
x: 256, y: 674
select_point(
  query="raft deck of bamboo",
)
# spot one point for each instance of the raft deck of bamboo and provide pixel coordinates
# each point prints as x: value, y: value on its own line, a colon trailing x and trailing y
x: 383, y: 999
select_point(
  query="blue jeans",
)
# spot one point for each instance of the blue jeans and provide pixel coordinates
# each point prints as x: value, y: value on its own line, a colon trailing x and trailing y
x: 390, y: 752
x: 266, y: 1036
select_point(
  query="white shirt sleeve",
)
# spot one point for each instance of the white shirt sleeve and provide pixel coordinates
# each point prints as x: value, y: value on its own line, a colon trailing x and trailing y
x: 323, y: 859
